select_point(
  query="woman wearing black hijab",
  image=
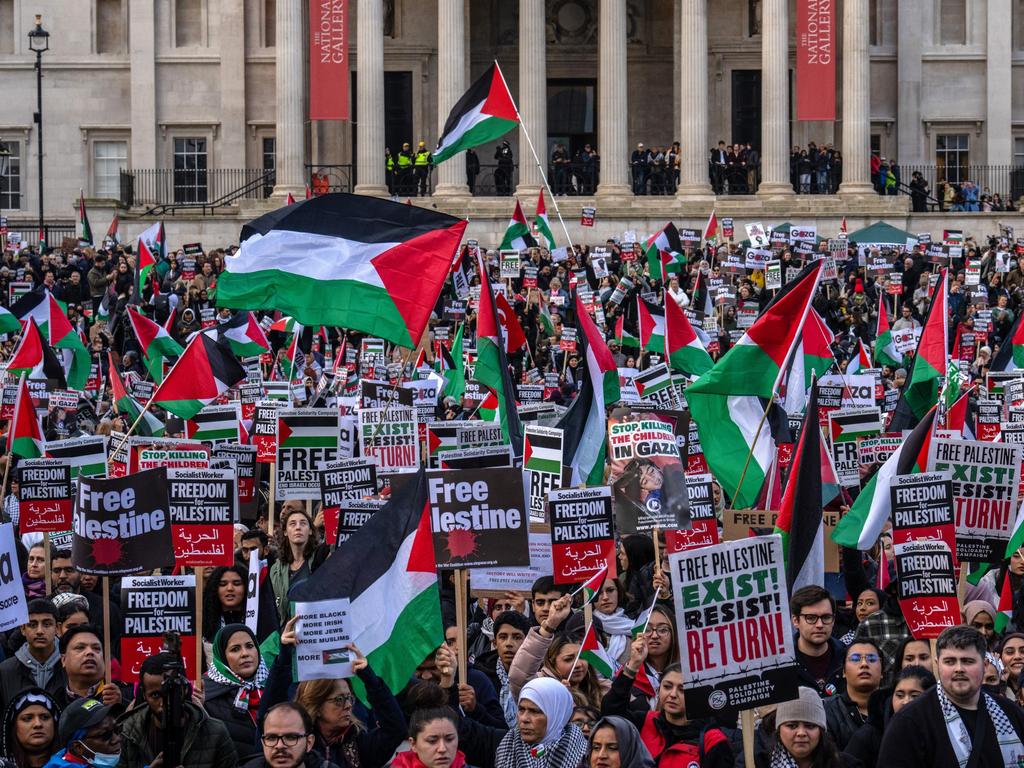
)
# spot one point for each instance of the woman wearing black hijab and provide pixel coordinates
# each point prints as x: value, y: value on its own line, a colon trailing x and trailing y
x: 233, y: 686
x: 615, y: 743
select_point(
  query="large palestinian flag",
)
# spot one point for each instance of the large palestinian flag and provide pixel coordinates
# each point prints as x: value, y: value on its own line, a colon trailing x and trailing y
x: 152, y: 245
x: 651, y: 325
x: 34, y: 358
x: 204, y: 371
x: 387, y: 571
x: 729, y: 401
x: 861, y: 526
x: 154, y: 341
x: 78, y: 360
x: 583, y: 425
x: 484, y: 113
x: 129, y: 407
x: 664, y: 252
x: 542, y: 223
x: 356, y: 262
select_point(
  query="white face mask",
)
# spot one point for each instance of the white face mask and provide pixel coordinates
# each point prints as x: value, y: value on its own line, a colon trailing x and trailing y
x: 101, y: 759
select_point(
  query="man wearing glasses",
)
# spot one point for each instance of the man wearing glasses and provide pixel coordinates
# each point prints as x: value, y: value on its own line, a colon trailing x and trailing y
x: 848, y: 711
x: 819, y: 656
x: 287, y: 739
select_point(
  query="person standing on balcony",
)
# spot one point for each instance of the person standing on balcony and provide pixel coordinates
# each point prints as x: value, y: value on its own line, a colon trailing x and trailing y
x: 638, y: 163
x: 404, y: 175
x: 472, y: 169
x: 422, y: 163
x: 389, y: 170
x: 503, y: 175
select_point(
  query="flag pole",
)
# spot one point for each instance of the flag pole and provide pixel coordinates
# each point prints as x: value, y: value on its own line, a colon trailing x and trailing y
x: 533, y: 150
x: 10, y: 441
x: 580, y: 651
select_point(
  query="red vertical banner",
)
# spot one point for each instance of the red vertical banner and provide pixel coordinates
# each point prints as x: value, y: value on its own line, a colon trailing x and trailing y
x: 815, y: 60
x: 328, y: 60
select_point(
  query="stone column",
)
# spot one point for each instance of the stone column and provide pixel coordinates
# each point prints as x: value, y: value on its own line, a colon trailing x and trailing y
x: 533, y: 98
x: 612, y: 83
x: 998, y: 68
x: 370, y: 98
x: 775, y: 99
x: 290, y: 89
x: 142, y: 55
x: 909, y: 131
x: 693, y: 101
x: 451, y: 84
x: 856, y: 100
x: 232, y: 90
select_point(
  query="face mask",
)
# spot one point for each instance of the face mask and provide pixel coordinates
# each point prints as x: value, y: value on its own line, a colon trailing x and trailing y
x: 101, y: 759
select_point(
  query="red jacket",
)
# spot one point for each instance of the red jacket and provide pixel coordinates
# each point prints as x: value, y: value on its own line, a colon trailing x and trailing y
x: 409, y: 759
x: 681, y: 754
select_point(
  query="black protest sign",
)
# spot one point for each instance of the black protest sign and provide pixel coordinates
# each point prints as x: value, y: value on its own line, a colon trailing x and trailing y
x: 151, y: 606
x: 479, y: 518
x: 45, y: 496
x: 122, y: 526
x: 204, y: 509
x: 582, y: 533
x: 341, y: 481
x: 922, y: 508
x: 353, y: 515
x: 379, y: 394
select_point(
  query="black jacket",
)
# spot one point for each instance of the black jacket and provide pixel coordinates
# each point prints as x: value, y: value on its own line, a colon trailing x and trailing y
x: 313, y: 760
x: 867, y: 740
x: 16, y: 677
x: 219, y: 703
x: 917, y: 737
x: 843, y: 719
x: 833, y: 681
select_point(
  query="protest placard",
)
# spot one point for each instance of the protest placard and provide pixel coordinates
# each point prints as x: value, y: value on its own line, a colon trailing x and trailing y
x: 379, y: 394
x: 13, y: 601
x: 509, y: 264
x: 542, y: 463
x: 204, y: 509
x: 244, y: 457
x: 45, y: 496
x: 494, y: 582
x: 252, y: 591
x: 352, y: 515
x: 477, y: 458
x: 215, y: 424
x: 735, y: 634
x: 582, y: 533
x: 990, y: 414
x: 478, y: 518
x: 926, y: 587
x: 475, y: 434
x: 150, y: 607
x: 307, y: 438
x: 322, y: 638
x: 344, y: 480
x: 704, y: 532
x: 985, y: 478
x: 122, y: 526
x: 390, y: 436
x: 84, y: 455
x: 922, y: 508
x: 264, y: 430
x: 905, y: 339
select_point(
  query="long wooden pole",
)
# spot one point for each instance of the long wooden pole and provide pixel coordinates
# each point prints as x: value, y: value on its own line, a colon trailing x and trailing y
x: 199, y: 624
x: 461, y: 620
x: 107, y: 659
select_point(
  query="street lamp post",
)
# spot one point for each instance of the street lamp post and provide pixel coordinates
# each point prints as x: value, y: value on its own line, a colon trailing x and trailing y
x: 5, y: 155
x: 39, y: 41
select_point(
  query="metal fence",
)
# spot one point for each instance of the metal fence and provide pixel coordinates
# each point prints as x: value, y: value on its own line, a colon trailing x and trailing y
x: 170, y: 186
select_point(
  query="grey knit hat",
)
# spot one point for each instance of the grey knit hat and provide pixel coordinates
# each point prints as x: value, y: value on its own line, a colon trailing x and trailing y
x: 806, y: 709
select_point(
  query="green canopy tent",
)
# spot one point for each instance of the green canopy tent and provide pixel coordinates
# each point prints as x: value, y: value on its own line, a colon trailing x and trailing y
x: 881, y: 233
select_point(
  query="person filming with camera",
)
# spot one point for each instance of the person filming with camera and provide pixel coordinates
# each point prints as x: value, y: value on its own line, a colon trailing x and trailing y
x: 199, y: 740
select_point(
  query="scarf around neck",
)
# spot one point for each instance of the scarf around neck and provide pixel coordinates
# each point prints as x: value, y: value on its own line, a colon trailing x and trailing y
x: 247, y: 697
x: 960, y: 739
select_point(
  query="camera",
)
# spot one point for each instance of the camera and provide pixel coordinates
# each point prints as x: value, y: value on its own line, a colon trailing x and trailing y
x: 173, y: 691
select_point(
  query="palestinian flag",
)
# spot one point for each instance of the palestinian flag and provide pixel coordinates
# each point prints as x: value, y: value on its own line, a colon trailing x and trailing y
x: 542, y: 452
x: 651, y: 324
x: 286, y: 324
x: 64, y: 337
x: 386, y: 569
x: 830, y: 488
x: 215, y: 424
x: 25, y: 437
x: 583, y: 425
x: 640, y: 624
x: 492, y: 365
x: 921, y: 389
x: 128, y: 406
x: 84, y: 230
x: 623, y: 336
x: 664, y: 252
x: 151, y: 248
x: 204, y: 372
x: 517, y: 236
x: 729, y: 401
x: 701, y: 300
x: 956, y: 416
x: 885, y: 350
x: 1016, y: 541
x: 244, y: 335
x: 595, y: 654
x: 33, y: 358
x: 800, y: 520
x: 307, y: 430
x: 862, y: 525
x: 848, y: 427
x: 814, y: 356
x: 544, y: 314
x: 154, y: 341
x: 592, y: 586
x: 711, y: 228
x: 542, y: 223
x: 685, y: 346
x: 87, y: 456
x: 455, y: 377
x: 35, y: 305
x: 8, y: 322
x: 441, y: 436
x: 860, y: 361
x: 290, y: 200
x: 1011, y: 354
x: 1004, y: 610
x: 355, y: 262
x: 484, y: 113
x: 112, y: 237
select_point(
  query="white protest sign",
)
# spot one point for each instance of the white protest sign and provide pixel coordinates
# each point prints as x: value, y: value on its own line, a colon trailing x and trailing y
x: 252, y: 591
x: 322, y: 640
x: 13, y: 603
x: 905, y: 339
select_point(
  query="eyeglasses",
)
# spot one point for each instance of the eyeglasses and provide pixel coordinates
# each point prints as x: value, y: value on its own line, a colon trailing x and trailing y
x: 342, y: 699
x: 857, y: 658
x: 811, y: 618
x: 289, y: 739
x: 662, y: 631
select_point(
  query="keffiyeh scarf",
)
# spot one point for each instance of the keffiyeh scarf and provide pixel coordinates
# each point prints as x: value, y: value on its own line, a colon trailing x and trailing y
x: 1009, y: 742
x: 567, y: 752
x: 505, y: 697
x: 781, y: 758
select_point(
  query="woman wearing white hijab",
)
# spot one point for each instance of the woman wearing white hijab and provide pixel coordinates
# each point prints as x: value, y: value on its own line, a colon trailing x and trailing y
x: 543, y: 736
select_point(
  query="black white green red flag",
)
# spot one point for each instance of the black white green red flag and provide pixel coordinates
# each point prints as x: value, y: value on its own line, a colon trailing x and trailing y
x: 484, y: 113
x: 204, y: 371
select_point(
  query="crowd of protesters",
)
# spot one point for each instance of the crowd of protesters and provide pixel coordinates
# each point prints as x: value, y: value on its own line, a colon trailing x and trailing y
x: 869, y: 693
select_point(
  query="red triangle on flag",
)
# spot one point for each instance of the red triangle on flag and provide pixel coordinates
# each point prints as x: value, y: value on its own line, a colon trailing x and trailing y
x: 527, y: 450
x: 499, y: 101
x: 283, y: 431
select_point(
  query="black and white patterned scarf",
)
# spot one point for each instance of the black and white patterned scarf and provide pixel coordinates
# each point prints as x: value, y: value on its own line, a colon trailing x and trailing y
x: 1009, y: 741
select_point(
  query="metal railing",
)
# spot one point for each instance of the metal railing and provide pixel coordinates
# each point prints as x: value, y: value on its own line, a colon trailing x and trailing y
x: 1005, y: 180
x: 54, y: 233
x: 192, y: 188
x: 330, y: 178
